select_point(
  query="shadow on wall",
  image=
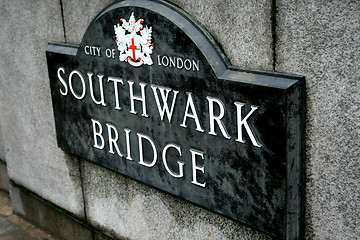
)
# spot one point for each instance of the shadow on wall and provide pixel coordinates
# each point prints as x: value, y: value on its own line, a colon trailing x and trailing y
x: 3, y: 148
x: 4, y: 178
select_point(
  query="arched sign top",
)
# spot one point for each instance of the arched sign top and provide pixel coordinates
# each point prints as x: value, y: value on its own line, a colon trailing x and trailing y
x: 149, y: 94
x: 161, y: 15
x: 202, y: 39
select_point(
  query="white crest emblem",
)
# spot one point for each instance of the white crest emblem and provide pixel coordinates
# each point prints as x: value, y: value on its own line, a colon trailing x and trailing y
x: 134, y: 41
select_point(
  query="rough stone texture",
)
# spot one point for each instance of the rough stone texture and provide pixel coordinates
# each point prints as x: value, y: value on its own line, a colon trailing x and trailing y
x: 136, y: 211
x: 78, y: 15
x: 321, y: 40
x: 28, y: 142
x: 242, y: 28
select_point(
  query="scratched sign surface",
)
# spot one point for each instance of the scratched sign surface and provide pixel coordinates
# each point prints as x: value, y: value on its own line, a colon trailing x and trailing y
x: 149, y: 94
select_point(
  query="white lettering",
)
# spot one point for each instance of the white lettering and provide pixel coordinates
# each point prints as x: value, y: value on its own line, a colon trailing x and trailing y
x: 190, y: 103
x: 128, y: 147
x: 113, y: 139
x: 187, y: 64
x: 195, y: 167
x: 82, y: 82
x: 116, y: 81
x: 218, y: 118
x: 180, y: 164
x: 96, y: 49
x: 110, y: 53
x: 196, y: 65
x: 163, y: 62
x: 61, y: 69
x: 172, y: 61
x: 179, y: 63
x: 87, y: 52
x: 164, y: 97
x: 92, y: 50
x: 102, y: 100
x: 141, y: 154
x: 142, y: 98
x: 243, y: 122
x: 97, y: 134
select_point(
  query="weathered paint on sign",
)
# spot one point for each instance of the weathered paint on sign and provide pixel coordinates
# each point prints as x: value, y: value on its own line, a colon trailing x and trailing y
x: 150, y: 95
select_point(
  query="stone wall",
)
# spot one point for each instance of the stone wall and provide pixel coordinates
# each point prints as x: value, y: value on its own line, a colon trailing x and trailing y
x: 317, y: 39
x: 321, y: 40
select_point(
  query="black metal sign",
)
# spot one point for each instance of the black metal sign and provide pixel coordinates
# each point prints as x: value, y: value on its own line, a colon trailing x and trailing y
x: 149, y: 94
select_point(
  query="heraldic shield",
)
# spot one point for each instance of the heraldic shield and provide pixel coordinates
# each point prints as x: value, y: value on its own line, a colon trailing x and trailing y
x: 134, y: 41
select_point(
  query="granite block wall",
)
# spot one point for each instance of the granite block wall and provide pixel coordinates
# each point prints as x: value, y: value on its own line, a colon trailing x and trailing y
x: 28, y: 140
x: 321, y: 40
x: 317, y: 39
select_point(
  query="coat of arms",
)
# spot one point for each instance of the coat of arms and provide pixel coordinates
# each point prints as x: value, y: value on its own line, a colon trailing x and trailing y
x: 134, y: 41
